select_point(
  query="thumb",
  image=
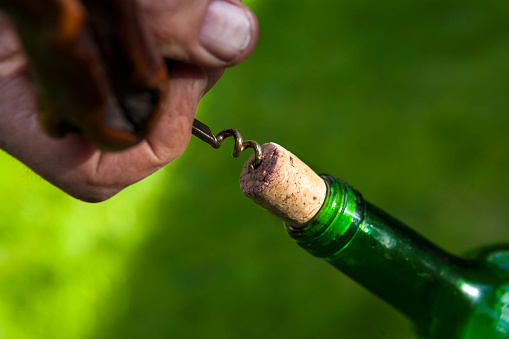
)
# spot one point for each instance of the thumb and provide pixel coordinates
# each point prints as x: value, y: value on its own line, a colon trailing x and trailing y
x: 211, y: 33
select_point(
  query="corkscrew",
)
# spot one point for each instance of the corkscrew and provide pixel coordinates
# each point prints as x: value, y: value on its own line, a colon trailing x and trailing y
x: 203, y: 132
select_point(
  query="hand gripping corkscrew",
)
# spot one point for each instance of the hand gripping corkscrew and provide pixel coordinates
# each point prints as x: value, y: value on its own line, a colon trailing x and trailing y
x: 203, y: 132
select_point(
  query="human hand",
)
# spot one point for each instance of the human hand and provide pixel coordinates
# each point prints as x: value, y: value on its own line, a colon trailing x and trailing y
x: 204, y: 36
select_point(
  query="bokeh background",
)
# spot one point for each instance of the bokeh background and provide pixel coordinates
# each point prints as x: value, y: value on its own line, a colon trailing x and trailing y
x: 405, y: 100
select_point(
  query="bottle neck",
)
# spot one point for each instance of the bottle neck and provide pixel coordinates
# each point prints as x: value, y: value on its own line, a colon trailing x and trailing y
x: 381, y: 253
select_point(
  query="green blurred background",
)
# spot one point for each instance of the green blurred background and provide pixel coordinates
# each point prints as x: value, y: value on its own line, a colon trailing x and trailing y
x: 407, y: 101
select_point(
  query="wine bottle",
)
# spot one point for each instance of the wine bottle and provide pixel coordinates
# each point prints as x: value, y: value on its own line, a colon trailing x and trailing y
x: 443, y: 295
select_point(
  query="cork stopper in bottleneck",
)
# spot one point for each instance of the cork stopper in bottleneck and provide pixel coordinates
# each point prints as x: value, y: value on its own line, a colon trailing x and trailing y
x: 283, y: 185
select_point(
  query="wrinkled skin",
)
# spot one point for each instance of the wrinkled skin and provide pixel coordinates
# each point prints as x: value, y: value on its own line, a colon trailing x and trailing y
x: 72, y: 163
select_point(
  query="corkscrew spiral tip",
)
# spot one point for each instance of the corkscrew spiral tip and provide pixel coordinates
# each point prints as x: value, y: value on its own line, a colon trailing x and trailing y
x: 203, y: 132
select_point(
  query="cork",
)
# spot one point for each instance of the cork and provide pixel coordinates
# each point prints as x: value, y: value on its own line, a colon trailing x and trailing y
x: 283, y: 185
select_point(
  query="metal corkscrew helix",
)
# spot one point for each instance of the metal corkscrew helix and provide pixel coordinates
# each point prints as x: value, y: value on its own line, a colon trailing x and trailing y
x: 203, y: 132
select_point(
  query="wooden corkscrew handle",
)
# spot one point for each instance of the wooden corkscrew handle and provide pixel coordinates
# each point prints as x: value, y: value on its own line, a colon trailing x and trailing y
x: 95, y: 68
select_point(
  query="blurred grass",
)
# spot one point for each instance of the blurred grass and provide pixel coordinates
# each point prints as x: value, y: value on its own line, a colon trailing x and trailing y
x: 407, y: 101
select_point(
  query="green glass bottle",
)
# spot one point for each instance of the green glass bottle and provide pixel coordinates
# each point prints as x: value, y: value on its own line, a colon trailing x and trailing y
x: 445, y: 296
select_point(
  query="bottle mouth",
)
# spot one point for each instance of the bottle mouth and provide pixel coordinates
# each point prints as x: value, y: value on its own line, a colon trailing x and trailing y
x: 335, y: 224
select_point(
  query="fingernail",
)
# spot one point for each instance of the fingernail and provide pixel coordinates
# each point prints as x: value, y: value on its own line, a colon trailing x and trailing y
x: 226, y: 30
